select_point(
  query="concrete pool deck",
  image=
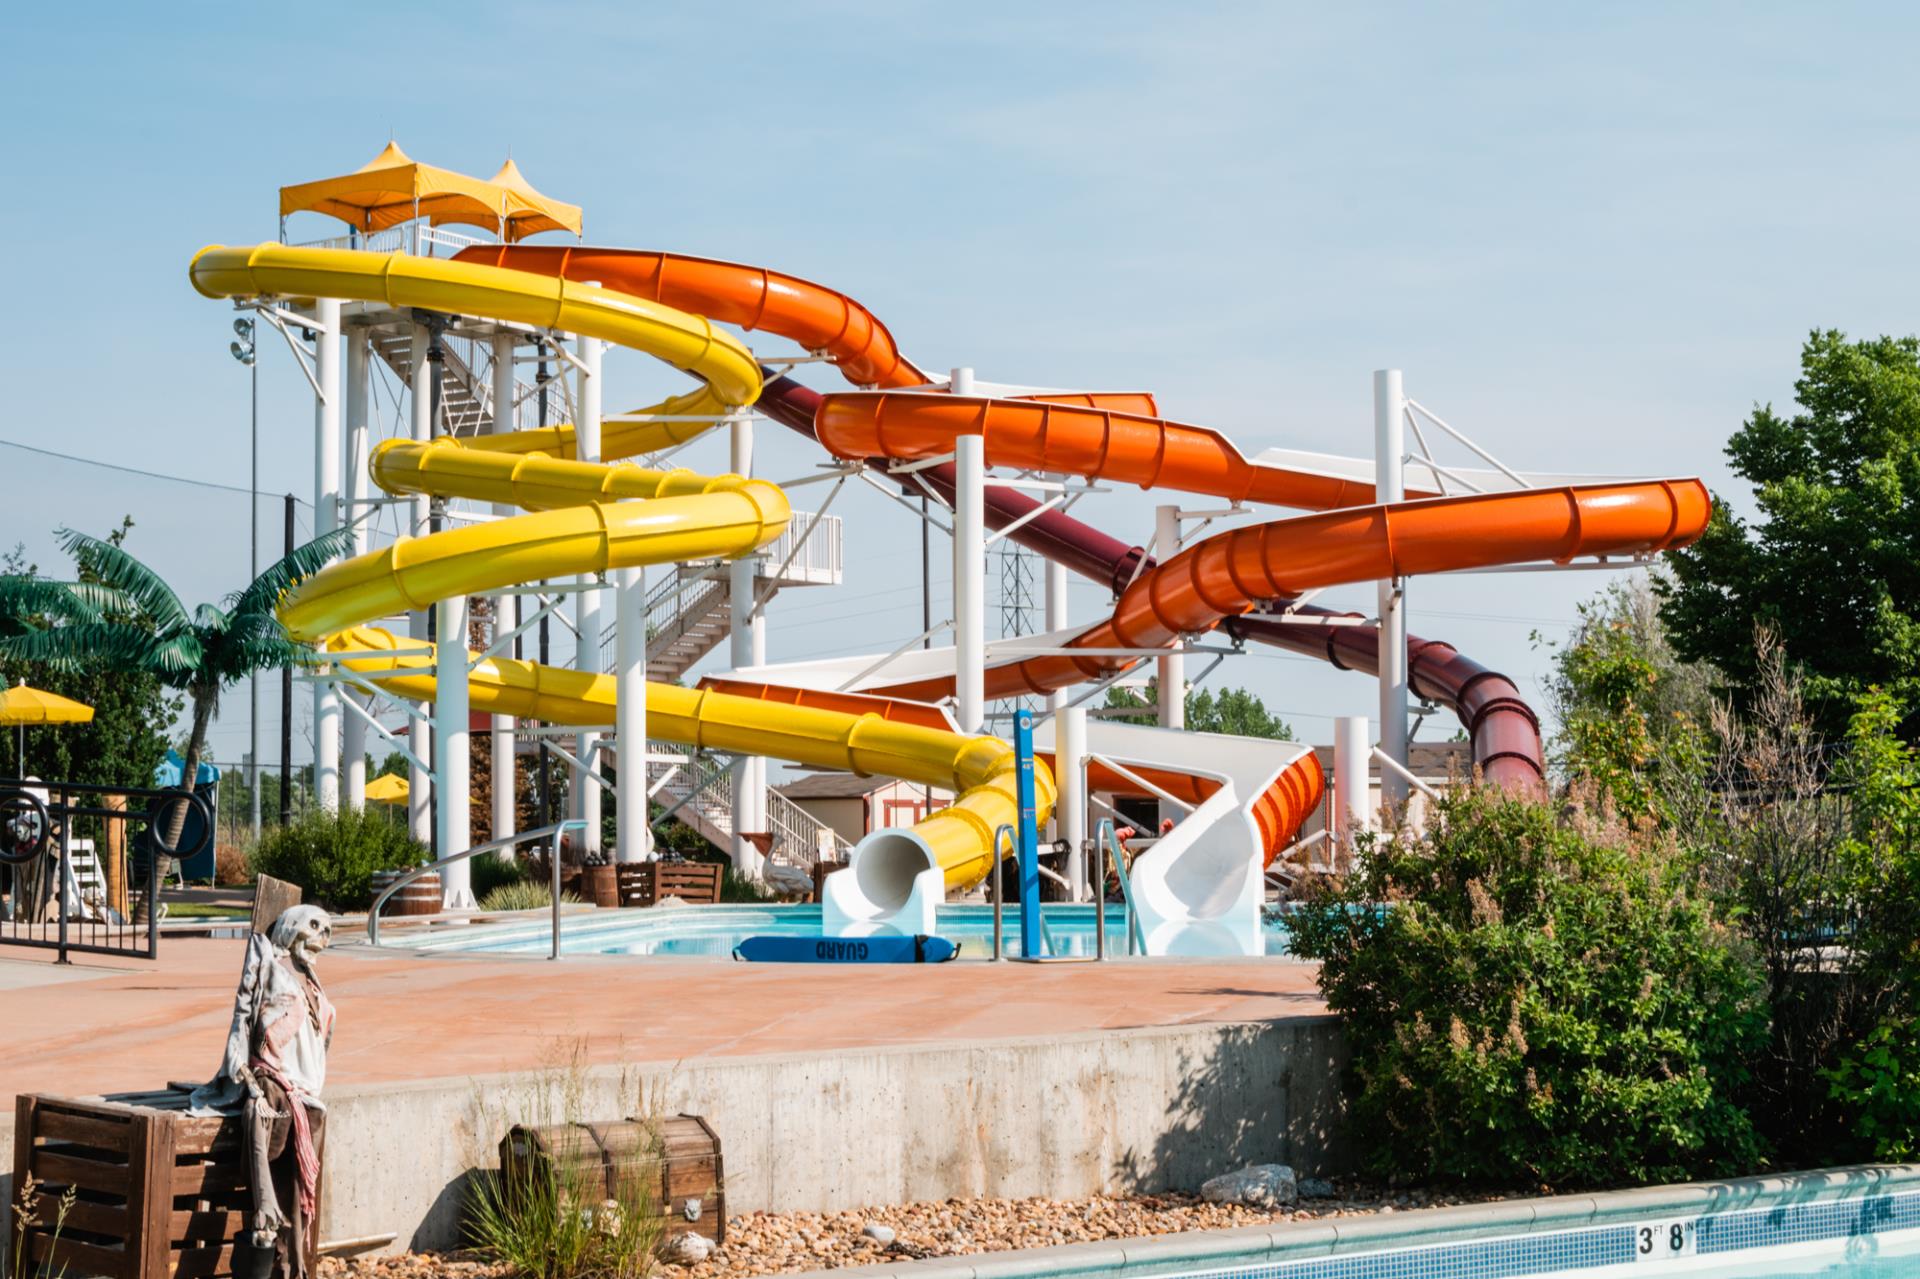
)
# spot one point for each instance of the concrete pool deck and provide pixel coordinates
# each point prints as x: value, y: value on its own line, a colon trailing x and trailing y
x: 107, y: 1025
x: 832, y: 1087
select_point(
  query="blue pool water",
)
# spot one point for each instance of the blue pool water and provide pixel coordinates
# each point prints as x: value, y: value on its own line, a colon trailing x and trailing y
x: 716, y: 930
x: 1831, y: 1232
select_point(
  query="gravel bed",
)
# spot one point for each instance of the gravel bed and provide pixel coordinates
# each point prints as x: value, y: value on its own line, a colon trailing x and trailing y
x: 765, y: 1243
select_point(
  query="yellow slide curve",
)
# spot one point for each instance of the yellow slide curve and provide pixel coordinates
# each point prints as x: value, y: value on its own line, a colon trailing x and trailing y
x: 589, y: 517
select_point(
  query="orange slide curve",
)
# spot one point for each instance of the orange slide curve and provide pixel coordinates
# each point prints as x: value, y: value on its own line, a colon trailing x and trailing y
x: 1235, y: 572
x: 1100, y: 440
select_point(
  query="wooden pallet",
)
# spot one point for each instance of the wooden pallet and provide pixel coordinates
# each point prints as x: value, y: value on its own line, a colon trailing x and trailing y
x: 645, y: 883
x: 161, y: 1194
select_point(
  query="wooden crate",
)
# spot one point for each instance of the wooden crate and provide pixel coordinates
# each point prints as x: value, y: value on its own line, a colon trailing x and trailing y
x: 645, y: 883
x: 162, y: 1194
x: 820, y: 872
x: 679, y: 1161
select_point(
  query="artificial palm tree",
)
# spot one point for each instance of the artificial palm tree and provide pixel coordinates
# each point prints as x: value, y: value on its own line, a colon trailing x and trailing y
x: 131, y: 619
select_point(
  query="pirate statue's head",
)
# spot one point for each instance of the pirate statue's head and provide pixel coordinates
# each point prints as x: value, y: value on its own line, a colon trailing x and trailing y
x: 302, y: 932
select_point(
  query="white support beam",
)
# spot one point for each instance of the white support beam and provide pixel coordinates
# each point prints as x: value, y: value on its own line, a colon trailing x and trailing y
x: 1352, y: 785
x: 326, y: 518
x: 969, y: 572
x: 419, y: 510
x: 587, y: 611
x: 747, y: 634
x: 451, y: 759
x: 1172, y: 668
x: 353, y: 491
x: 633, y: 835
x: 1070, y: 810
x: 1389, y: 454
x: 503, y: 781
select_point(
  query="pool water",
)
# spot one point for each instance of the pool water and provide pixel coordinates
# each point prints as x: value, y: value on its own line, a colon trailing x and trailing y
x: 715, y: 930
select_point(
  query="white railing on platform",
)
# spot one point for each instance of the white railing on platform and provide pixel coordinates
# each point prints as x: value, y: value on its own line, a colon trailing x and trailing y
x: 416, y: 238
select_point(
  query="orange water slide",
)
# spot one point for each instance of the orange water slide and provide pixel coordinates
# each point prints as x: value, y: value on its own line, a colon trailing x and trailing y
x: 818, y: 318
x: 1235, y: 572
x: 1094, y: 437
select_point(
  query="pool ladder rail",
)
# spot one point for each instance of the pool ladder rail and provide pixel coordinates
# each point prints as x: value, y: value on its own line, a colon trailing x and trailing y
x: 492, y: 846
x: 1106, y: 845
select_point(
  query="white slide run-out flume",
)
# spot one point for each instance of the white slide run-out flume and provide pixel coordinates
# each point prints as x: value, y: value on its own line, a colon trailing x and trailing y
x: 1198, y: 890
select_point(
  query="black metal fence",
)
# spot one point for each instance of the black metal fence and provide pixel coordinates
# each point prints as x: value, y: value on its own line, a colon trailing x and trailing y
x: 61, y: 892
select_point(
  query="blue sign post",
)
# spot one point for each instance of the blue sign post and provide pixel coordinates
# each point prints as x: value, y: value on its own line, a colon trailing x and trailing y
x: 1028, y: 832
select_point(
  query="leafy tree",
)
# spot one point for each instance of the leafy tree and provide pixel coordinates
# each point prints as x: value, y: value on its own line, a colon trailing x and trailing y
x: 1234, y: 710
x: 127, y: 736
x: 1877, y: 1079
x: 199, y: 652
x: 1630, y: 710
x: 1833, y: 565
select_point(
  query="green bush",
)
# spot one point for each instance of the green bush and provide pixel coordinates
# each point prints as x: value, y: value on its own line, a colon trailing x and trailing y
x: 333, y: 856
x: 1540, y: 1001
x: 1877, y: 1084
x: 490, y: 873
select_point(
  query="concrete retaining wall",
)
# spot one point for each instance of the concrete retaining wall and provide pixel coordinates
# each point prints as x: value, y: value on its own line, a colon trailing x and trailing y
x: 1151, y: 1109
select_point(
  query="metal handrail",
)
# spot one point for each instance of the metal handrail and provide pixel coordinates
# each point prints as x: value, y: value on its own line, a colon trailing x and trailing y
x: 491, y: 846
x: 1040, y: 914
x: 1109, y: 842
x: 994, y: 880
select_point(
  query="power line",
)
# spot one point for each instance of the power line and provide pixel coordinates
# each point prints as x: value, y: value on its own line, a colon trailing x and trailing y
x: 150, y: 475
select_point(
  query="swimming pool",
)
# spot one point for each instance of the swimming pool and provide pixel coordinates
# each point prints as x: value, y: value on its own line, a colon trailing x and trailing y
x: 1861, y: 1223
x: 715, y: 930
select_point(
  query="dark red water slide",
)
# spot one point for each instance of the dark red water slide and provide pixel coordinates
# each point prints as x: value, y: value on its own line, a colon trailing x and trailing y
x: 1503, y: 730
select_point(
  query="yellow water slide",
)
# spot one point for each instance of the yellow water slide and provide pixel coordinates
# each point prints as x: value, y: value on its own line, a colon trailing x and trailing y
x: 589, y: 517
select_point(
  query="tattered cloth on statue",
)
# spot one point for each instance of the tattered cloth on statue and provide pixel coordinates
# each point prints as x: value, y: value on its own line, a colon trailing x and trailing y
x: 277, y: 1040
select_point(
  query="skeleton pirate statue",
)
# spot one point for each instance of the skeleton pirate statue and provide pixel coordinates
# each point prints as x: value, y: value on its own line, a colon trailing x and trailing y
x: 275, y: 1065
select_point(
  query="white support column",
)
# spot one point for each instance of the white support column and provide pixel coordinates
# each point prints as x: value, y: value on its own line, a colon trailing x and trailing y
x: 634, y: 836
x: 419, y: 726
x: 1389, y: 456
x: 1352, y: 770
x: 969, y: 572
x: 1070, y: 753
x: 1067, y: 781
x: 504, y: 782
x: 747, y: 634
x: 588, y: 614
x: 450, y: 750
x: 353, y: 490
x: 326, y: 518
x: 1171, y: 670
x: 1057, y: 620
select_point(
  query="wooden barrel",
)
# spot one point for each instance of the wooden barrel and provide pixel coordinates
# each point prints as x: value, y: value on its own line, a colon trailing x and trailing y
x: 601, y: 885
x: 674, y: 1166
x: 421, y: 897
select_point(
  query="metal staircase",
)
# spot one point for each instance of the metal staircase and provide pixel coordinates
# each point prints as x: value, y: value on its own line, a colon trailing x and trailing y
x: 691, y: 612
x: 697, y: 790
x: 465, y: 400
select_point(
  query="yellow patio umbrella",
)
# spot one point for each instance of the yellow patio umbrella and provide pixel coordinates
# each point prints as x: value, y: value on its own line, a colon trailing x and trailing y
x: 21, y: 706
x: 388, y: 789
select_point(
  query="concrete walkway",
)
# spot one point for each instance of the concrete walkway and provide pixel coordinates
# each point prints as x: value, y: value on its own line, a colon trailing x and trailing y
x: 109, y: 1026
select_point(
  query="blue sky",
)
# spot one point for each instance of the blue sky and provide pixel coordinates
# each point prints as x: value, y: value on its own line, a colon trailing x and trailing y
x: 1593, y: 236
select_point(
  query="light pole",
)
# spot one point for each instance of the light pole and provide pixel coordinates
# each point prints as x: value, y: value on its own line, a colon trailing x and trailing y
x: 243, y: 350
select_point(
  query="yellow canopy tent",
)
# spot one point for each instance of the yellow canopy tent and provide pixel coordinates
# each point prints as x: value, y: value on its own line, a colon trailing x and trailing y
x: 393, y: 188
x: 388, y: 789
x: 21, y: 706
x: 531, y: 211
